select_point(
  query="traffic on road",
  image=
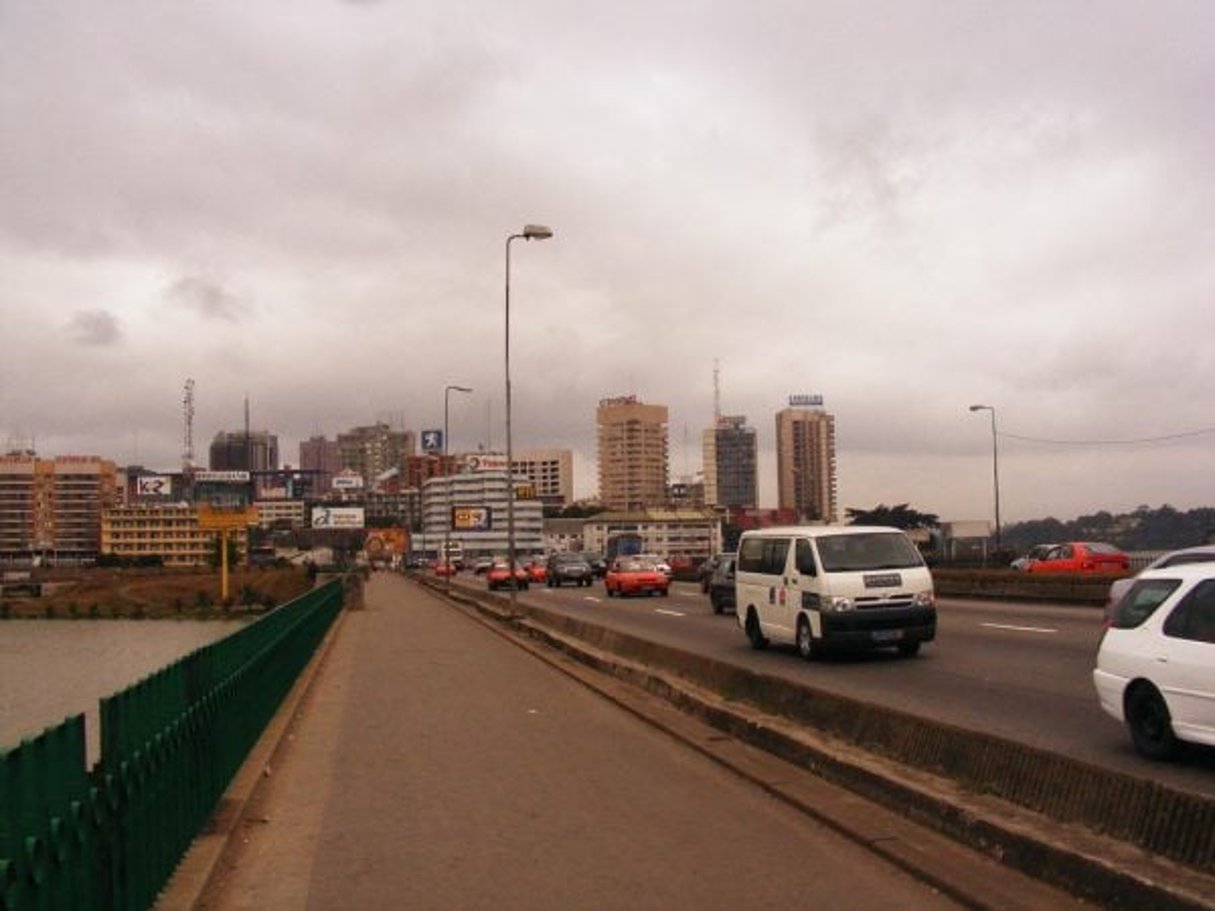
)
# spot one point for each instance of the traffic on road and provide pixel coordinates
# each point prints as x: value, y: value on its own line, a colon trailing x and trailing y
x: 1024, y: 671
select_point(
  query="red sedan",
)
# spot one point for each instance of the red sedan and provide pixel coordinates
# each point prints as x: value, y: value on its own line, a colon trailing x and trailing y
x: 1082, y: 557
x: 630, y: 576
x: 444, y: 569
x: 499, y: 575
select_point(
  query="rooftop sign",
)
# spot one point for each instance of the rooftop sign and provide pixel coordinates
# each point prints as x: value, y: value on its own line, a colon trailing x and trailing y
x: 814, y: 400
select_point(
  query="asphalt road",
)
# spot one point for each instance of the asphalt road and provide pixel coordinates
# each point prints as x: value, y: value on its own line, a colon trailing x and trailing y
x: 1021, y: 671
x: 436, y: 765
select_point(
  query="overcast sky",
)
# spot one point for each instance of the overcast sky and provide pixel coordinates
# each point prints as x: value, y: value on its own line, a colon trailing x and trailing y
x: 907, y: 207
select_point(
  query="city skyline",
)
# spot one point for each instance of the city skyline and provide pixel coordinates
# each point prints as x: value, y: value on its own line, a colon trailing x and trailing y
x: 906, y: 207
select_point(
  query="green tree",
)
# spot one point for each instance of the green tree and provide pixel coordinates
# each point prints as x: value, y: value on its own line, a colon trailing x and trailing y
x: 900, y: 516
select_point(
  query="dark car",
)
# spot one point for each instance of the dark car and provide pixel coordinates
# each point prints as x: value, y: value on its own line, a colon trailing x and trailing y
x: 721, y: 584
x: 569, y: 567
x: 598, y: 564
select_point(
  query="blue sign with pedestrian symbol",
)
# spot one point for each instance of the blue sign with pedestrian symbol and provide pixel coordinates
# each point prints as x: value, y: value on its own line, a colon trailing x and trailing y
x: 432, y: 440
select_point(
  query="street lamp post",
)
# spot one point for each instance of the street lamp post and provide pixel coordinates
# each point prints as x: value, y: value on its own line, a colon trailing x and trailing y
x: 995, y: 465
x: 447, y: 391
x: 529, y: 232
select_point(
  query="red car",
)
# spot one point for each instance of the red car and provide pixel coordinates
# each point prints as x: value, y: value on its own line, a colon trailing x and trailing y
x: 536, y: 571
x: 630, y: 576
x: 1081, y: 557
x: 444, y: 569
x: 498, y: 576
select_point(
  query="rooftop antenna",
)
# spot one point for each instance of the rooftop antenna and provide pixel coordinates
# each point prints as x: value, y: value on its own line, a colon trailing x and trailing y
x: 187, y: 404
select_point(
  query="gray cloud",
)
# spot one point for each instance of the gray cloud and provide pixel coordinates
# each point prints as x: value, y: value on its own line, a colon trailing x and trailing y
x: 905, y: 206
x: 95, y: 328
x: 207, y: 298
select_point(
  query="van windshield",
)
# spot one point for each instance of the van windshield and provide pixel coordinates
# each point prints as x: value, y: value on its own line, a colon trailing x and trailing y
x: 855, y: 553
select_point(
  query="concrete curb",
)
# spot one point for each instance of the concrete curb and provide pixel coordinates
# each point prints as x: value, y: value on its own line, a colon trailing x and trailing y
x: 943, y: 777
x: 188, y: 884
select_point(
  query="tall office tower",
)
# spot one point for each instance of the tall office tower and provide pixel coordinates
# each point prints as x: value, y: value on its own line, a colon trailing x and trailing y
x: 805, y: 460
x: 731, y: 463
x: 550, y: 473
x: 50, y: 509
x: 372, y: 451
x: 323, y: 455
x: 237, y: 450
x: 633, y: 453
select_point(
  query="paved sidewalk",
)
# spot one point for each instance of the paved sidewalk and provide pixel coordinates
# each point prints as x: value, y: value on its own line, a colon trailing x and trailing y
x: 435, y: 765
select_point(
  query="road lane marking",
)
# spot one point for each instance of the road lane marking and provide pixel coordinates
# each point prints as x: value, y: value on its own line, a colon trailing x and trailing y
x: 1019, y: 629
x: 669, y: 613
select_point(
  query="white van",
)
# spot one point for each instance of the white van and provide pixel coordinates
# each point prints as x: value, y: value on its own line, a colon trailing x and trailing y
x: 816, y: 586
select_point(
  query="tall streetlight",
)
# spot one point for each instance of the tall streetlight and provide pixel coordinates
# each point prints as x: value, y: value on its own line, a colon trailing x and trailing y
x: 447, y: 391
x: 995, y: 465
x: 529, y: 232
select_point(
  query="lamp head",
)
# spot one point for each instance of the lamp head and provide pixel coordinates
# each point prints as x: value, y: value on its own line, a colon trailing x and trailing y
x: 537, y: 232
x: 981, y: 408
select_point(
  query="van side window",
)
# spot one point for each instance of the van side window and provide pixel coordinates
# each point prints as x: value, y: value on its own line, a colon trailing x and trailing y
x: 751, y: 555
x: 775, y: 555
x: 804, y: 554
x: 763, y: 555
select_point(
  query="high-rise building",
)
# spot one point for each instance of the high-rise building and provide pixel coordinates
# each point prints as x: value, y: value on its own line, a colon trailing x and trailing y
x: 50, y: 509
x: 805, y: 460
x: 550, y: 473
x: 731, y: 463
x: 633, y: 453
x: 372, y: 451
x: 318, y: 453
x: 237, y: 450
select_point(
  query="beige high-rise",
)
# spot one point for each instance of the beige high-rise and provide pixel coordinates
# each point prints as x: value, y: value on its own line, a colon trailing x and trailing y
x: 805, y: 463
x: 633, y: 453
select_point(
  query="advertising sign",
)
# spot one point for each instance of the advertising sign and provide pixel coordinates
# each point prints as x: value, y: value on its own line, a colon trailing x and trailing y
x: 221, y: 477
x: 337, y: 517
x: 432, y: 440
x: 153, y: 485
x: 347, y: 482
x: 806, y: 401
x: 471, y: 518
x: 485, y: 462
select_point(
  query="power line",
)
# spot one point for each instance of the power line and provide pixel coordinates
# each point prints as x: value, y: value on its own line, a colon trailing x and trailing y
x: 1160, y: 439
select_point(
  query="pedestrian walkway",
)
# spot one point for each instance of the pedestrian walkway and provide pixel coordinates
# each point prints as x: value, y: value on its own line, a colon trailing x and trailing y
x: 436, y: 765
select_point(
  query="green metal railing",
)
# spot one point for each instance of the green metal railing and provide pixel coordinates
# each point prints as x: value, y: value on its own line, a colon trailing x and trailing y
x: 109, y: 838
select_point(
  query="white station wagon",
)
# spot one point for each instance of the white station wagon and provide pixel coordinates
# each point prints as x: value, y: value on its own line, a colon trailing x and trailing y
x: 1156, y: 665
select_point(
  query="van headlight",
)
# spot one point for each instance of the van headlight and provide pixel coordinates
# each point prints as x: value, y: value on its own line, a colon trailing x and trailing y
x: 922, y: 599
x: 838, y: 604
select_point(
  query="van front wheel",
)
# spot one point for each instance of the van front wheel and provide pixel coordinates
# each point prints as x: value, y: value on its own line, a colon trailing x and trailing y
x: 806, y: 646
x: 754, y: 634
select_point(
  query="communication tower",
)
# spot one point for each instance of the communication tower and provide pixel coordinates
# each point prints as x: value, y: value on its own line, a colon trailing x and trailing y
x: 187, y: 452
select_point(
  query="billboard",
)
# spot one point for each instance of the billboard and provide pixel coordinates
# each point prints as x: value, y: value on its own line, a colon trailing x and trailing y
x: 221, y: 477
x: 806, y: 401
x: 347, y: 482
x: 432, y: 441
x: 472, y: 518
x: 337, y: 517
x: 384, y: 543
x: 153, y: 485
x: 485, y: 462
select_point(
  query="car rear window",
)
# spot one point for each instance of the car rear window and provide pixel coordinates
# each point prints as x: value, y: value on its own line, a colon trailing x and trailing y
x: 1141, y: 601
x: 1103, y: 549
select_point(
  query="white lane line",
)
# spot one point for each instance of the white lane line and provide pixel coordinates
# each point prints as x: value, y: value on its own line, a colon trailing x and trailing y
x: 669, y: 613
x: 1019, y: 629
x: 591, y: 598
